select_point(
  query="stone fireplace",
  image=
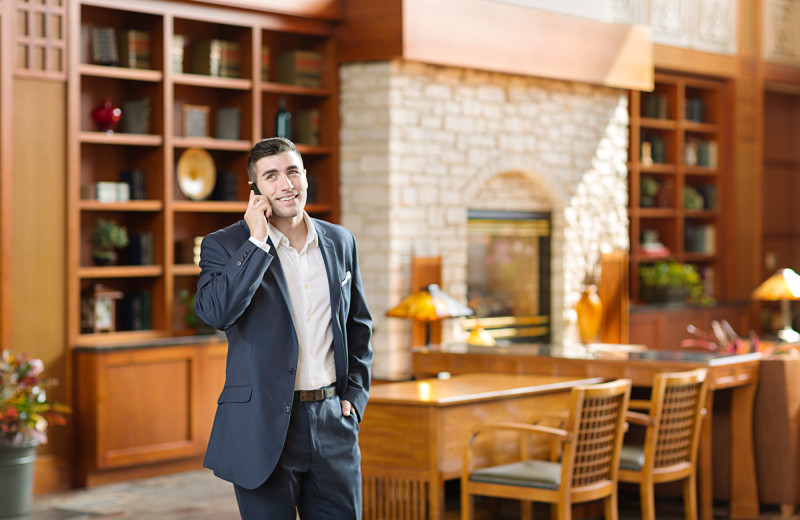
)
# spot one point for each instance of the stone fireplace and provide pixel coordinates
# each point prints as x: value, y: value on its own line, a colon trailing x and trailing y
x: 421, y: 145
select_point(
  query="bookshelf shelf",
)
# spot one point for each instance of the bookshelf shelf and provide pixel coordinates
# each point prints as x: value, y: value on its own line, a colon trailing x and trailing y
x: 121, y: 271
x: 104, y: 71
x: 677, y: 172
x: 209, y: 206
x: 210, y: 143
x: 133, y: 205
x: 118, y: 138
x: 297, y: 90
x: 200, y: 80
x: 185, y: 270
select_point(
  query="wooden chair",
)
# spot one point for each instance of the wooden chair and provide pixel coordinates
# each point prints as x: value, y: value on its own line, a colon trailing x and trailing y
x: 671, y: 439
x: 583, y: 465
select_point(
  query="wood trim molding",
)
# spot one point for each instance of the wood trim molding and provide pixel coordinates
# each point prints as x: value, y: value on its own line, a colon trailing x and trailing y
x: 6, y: 172
x: 695, y: 62
x: 325, y: 9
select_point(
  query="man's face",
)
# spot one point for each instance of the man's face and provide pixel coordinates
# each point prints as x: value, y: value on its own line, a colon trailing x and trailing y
x: 282, y: 179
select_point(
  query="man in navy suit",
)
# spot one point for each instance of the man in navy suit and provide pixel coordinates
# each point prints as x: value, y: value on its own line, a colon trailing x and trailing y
x: 286, y: 289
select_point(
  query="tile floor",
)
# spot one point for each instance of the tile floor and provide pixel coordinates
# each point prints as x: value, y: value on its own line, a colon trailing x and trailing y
x: 198, y: 495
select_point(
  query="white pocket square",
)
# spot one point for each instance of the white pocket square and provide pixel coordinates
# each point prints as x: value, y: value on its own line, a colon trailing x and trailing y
x: 346, y: 278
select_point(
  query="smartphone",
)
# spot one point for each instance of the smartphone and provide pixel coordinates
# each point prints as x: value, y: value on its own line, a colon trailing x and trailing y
x: 255, y: 189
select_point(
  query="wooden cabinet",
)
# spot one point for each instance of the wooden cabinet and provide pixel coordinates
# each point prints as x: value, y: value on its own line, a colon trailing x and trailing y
x: 145, y: 406
x: 202, y: 61
x: 678, y: 175
x: 663, y: 327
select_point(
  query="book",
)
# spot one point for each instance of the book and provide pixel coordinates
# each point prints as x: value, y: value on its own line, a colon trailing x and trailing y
x: 176, y: 53
x: 228, y: 122
x: 226, y: 187
x: 300, y: 67
x: 134, y: 178
x: 655, y: 106
x: 134, y: 48
x: 695, y: 110
x: 217, y: 57
x: 140, y: 249
x: 264, y: 63
x: 135, y: 116
x: 134, y: 311
x: 105, y: 191
x: 307, y: 127
x: 104, y: 46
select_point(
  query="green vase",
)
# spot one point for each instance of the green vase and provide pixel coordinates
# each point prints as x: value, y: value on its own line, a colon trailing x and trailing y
x: 16, y: 479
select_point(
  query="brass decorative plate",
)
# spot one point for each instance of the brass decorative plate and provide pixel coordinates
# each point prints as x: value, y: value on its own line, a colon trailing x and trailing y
x: 196, y: 173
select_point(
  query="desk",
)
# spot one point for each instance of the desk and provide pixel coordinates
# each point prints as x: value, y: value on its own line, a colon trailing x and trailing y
x: 413, y: 434
x: 739, y: 373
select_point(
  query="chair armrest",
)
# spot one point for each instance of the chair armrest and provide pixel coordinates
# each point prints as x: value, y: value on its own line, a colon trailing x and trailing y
x: 556, y: 435
x: 521, y: 428
x: 638, y: 418
x: 639, y: 404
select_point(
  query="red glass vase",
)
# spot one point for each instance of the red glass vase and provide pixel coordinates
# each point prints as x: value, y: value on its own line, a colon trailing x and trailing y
x: 106, y: 116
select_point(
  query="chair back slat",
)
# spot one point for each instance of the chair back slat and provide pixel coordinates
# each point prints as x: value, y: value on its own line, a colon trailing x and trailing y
x: 599, y: 433
x: 678, y: 424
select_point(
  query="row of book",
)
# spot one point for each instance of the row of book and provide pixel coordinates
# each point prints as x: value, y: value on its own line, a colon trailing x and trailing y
x: 656, y: 106
x: 696, y: 152
x: 700, y: 238
x: 700, y: 153
x: 213, y: 57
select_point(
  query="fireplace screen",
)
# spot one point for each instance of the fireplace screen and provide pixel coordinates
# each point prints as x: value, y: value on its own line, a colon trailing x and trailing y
x: 508, y: 274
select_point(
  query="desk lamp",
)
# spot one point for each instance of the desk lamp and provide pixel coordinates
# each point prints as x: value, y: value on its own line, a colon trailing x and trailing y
x: 783, y: 286
x: 428, y: 305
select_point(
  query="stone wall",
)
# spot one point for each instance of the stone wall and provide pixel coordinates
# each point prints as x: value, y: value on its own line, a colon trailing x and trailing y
x: 420, y: 144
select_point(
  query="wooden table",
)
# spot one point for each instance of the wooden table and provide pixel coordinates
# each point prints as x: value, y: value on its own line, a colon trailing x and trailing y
x: 739, y: 373
x: 413, y: 434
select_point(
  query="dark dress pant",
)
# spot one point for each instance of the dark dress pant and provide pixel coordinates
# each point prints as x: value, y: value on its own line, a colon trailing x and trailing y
x: 319, y: 471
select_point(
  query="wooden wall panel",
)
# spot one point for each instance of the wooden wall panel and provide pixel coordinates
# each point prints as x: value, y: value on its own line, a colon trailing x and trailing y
x: 38, y: 245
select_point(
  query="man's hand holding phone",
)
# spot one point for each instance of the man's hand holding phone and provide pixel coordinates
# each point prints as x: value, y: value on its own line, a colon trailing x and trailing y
x: 257, y: 214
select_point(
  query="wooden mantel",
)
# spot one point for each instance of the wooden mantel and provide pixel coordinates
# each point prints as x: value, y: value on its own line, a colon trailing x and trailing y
x: 498, y: 37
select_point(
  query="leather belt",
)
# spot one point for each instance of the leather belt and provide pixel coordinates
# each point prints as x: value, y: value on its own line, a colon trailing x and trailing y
x: 320, y: 394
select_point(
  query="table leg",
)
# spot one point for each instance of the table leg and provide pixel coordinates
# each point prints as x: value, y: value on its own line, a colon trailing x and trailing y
x: 704, y: 476
x: 744, y: 490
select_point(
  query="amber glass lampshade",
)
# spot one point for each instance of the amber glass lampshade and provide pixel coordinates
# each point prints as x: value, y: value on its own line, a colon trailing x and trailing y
x: 429, y: 304
x: 782, y: 286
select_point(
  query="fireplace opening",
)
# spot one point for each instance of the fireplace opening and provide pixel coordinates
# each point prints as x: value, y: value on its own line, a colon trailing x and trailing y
x: 508, y: 274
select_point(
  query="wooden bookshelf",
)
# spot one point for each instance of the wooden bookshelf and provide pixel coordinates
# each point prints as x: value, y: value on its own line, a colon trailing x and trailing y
x: 96, y: 155
x: 677, y: 176
x: 163, y: 348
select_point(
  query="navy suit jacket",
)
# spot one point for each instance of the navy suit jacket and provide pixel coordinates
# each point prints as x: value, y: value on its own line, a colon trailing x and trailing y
x: 242, y: 291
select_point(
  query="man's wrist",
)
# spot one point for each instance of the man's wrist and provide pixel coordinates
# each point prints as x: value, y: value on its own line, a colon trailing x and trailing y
x: 262, y: 244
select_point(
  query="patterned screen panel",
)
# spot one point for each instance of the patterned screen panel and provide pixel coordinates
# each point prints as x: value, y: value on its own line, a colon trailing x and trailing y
x: 40, y: 38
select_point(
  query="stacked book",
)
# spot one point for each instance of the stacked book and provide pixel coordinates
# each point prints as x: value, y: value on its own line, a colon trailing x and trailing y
x: 300, y: 67
x: 221, y: 58
x: 700, y: 238
x: 655, y: 106
x: 134, y: 311
x: 134, y: 49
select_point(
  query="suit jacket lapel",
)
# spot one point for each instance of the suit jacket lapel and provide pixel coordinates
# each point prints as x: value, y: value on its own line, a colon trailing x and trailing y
x: 277, y: 272
x: 329, y: 259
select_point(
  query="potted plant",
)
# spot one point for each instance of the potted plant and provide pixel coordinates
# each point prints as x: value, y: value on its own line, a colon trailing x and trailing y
x: 25, y: 415
x: 672, y: 282
x: 106, y: 238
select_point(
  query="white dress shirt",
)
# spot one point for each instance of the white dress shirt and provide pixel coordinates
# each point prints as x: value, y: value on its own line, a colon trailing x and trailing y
x: 309, y: 293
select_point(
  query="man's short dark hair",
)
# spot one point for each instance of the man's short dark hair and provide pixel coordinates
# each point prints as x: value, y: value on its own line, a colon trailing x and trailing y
x: 267, y: 148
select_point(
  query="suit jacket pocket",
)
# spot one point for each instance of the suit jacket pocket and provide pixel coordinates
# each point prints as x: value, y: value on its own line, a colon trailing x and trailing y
x: 235, y: 394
